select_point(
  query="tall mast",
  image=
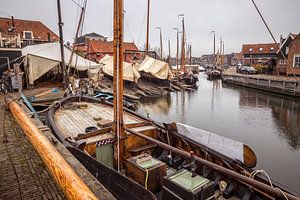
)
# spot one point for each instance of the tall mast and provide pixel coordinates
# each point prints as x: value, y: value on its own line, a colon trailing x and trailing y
x: 177, y: 46
x: 220, y: 51
x: 169, y: 46
x: 79, y: 29
x: 148, y: 24
x: 161, y: 43
x: 190, y: 47
x: 61, y: 41
x: 118, y: 127
x: 223, y: 56
x: 183, y: 45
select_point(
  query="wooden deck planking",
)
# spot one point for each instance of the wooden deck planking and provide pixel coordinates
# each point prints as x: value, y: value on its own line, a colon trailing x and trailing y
x: 72, y: 122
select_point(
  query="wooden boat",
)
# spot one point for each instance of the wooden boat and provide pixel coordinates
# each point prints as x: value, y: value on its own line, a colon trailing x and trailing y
x: 151, y: 162
x: 214, y: 74
x: 127, y: 103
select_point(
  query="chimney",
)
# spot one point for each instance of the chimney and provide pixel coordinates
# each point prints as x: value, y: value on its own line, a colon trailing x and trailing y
x: 49, y: 37
x: 13, y: 21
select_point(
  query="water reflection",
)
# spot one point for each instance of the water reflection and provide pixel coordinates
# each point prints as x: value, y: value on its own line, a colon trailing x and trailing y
x: 155, y: 105
x: 285, y: 111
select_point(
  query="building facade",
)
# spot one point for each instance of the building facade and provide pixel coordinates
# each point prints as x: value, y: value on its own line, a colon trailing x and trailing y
x: 260, y: 55
x: 96, y: 50
x: 18, y: 33
x: 294, y: 57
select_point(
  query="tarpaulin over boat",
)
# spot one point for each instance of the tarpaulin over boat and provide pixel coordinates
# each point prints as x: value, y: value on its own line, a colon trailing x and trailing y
x: 156, y: 68
x: 41, y: 58
x: 130, y: 73
x: 225, y: 146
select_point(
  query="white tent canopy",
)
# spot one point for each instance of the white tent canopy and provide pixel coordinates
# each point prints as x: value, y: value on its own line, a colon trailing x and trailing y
x: 156, y: 68
x: 130, y: 73
x: 42, y: 58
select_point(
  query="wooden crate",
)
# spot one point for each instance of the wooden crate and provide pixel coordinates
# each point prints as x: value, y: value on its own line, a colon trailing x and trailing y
x: 156, y: 170
x: 182, y: 185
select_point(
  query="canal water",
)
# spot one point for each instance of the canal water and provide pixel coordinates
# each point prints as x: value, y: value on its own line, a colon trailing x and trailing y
x: 270, y: 124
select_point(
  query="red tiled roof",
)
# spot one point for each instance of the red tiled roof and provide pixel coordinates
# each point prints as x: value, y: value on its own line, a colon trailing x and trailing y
x: 107, y: 47
x: 39, y: 30
x: 270, y: 48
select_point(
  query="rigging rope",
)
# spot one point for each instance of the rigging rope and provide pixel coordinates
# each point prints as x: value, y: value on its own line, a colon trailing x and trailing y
x: 255, y: 172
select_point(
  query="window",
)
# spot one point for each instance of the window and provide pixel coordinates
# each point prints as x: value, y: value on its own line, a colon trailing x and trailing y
x: 260, y: 49
x: 297, y: 60
x: 27, y: 35
x: 250, y: 49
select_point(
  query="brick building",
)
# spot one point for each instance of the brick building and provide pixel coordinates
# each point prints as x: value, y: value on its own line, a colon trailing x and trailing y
x: 259, y: 54
x: 294, y: 57
x: 96, y: 50
x: 18, y: 33
x: 284, y: 48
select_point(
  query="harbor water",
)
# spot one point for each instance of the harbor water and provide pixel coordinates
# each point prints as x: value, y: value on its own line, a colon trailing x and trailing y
x: 269, y: 123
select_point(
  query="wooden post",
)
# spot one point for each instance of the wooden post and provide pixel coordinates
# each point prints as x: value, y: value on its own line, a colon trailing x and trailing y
x: 18, y: 77
x: 70, y: 183
x: 118, y: 125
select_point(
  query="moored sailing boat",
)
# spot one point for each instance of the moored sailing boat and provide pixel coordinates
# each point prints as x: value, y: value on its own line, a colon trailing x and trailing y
x: 173, y: 161
x: 154, y: 155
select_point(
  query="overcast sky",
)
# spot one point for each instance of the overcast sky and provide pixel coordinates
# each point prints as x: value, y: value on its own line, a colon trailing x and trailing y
x: 235, y: 20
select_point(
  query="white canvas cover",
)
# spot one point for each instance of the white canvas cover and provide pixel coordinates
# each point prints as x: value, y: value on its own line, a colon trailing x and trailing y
x: 156, y: 68
x: 225, y: 146
x: 41, y: 58
x: 130, y: 72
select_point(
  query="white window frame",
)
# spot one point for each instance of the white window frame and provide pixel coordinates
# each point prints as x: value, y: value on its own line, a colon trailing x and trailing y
x: 24, y: 35
x: 294, y: 60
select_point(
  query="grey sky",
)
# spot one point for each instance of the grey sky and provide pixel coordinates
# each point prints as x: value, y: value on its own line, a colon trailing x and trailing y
x: 235, y: 20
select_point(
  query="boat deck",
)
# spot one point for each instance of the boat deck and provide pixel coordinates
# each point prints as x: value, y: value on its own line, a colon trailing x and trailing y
x: 73, y: 120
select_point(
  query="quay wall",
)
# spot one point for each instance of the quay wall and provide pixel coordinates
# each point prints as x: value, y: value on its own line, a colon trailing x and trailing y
x: 284, y: 87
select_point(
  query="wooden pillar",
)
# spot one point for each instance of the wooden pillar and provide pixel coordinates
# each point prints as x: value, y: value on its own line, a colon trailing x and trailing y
x: 70, y: 183
x: 118, y: 125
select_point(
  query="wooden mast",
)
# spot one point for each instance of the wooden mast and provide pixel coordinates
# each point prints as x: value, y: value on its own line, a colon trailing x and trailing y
x: 61, y: 41
x: 160, y: 43
x: 183, y: 46
x: 190, y: 47
x: 118, y: 127
x: 169, y: 46
x: 79, y: 28
x: 148, y: 24
x: 177, y: 46
x: 223, y: 55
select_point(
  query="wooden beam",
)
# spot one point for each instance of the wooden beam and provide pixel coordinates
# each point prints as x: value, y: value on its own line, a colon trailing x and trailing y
x: 70, y: 183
